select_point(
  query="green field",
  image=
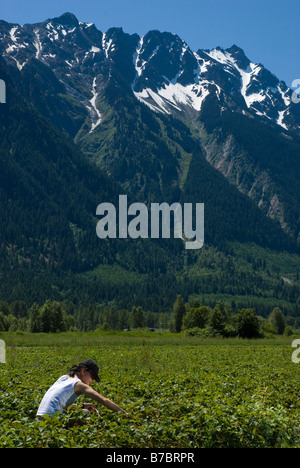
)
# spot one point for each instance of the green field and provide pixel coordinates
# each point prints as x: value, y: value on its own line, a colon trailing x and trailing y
x: 180, y: 392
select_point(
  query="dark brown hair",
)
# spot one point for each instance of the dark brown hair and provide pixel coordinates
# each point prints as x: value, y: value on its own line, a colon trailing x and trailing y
x: 89, y: 365
x: 75, y: 369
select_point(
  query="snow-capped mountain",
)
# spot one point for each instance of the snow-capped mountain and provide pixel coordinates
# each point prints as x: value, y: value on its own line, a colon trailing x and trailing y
x: 90, y: 115
x: 160, y: 69
x: 138, y: 106
x: 192, y: 76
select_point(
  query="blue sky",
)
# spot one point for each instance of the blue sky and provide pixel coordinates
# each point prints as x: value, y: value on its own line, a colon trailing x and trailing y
x: 267, y: 30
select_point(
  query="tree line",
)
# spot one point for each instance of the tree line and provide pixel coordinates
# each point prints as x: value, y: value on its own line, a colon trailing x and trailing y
x: 56, y: 317
x: 191, y: 317
x: 201, y: 320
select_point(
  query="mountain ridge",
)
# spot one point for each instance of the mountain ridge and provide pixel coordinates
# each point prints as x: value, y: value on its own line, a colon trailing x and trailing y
x: 164, y: 123
x: 159, y: 69
x: 153, y: 48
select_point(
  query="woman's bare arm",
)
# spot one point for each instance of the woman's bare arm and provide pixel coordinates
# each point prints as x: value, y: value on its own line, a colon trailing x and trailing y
x: 83, y: 389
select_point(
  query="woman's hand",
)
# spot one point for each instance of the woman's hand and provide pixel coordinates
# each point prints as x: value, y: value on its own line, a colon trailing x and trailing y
x: 91, y: 408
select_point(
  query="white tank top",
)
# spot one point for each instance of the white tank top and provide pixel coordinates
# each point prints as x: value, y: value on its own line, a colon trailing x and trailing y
x: 59, y: 396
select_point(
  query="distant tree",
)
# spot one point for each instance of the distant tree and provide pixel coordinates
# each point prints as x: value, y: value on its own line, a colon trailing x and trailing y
x: 12, y: 323
x: 4, y: 307
x: 52, y: 317
x: 177, y: 315
x: 69, y: 323
x: 276, y: 318
x: 218, y: 318
x: 266, y: 327
x: 288, y: 331
x: 2, y: 322
x: 138, y: 318
x: 163, y: 320
x: 88, y: 318
x: 70, y: 308
x: 34, y: 319
x: 196, y: 317
x: 19, y: 309
x: 248, y: 324
x: 123, y: 319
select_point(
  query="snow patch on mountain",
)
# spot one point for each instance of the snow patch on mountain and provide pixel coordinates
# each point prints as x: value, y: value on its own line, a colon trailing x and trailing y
x: 96, y: 111
x: 37, y: 44
x: 224, y: 58
x: 95, y: 49
x: 13, y: 33
x: 107, y: 45
x: 284, y: 94
x: 281, y: 118
x: 171, y: 95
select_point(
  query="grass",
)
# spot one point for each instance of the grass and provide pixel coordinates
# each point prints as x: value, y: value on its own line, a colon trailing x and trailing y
x: 131, y: 338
